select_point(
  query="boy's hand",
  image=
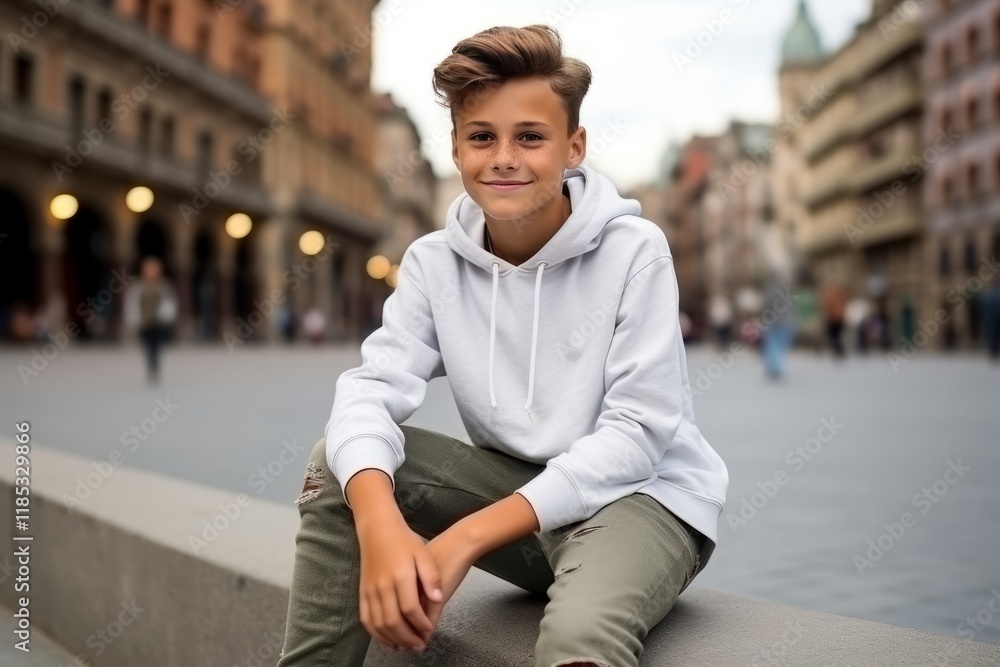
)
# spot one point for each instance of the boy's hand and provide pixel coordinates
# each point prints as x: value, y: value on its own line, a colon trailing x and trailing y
x: 394, y: 561
x: 453, y: 557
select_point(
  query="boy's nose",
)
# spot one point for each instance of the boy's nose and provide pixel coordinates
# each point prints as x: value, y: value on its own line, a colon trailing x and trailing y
x: 504, y: 156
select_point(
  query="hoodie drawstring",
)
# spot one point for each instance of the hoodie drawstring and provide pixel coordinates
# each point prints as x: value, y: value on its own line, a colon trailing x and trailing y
x: 493, y: 336
x: 534, y: 338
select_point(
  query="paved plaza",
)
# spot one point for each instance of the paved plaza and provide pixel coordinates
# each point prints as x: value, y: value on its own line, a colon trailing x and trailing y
x: 857, y: 488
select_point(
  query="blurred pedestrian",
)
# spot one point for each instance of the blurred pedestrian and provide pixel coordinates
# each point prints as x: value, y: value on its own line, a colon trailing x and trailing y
x: 856, y: 320
x: 834, y: 302
x: 991, y: 321
x: 314, y: 325
x: 151, y: 306
x: 907, y: 325
x: 778, y: 321
x: 286, y: 323
x: 809, y: 324
x: 720, y: 314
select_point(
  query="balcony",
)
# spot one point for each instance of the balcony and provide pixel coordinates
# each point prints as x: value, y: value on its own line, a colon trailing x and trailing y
x: 902, y: 98
x: 877, y: 50
x: 897, y: 223
x: 879, y: 171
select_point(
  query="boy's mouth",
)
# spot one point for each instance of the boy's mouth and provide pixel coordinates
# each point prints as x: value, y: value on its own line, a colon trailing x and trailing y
x: 505, y: 186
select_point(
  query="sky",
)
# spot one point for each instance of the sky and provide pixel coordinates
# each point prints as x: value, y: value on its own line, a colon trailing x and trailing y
x: 650, y: 86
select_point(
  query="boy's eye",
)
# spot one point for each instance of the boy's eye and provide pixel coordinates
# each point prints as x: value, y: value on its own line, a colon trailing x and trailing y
x: 483, y: 136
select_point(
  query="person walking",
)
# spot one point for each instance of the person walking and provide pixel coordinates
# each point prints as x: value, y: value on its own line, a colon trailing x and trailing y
x: 151, y: 307
x: 834, y: 303
x: 778, y: 319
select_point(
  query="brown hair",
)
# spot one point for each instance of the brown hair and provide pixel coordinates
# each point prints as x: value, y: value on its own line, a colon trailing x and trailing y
x: 497, y: 54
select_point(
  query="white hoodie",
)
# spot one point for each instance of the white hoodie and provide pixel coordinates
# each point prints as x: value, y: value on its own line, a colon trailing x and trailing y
x: 574, y: 360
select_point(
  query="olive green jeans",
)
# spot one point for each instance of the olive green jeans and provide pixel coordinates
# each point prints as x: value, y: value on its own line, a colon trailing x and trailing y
x: 608, y: 580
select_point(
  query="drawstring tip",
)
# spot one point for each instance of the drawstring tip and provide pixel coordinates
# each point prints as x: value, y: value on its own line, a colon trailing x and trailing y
x: 531, y: 416
x: 492, y: 410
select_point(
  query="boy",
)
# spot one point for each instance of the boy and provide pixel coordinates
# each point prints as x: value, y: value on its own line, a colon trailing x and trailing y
x: 553, y: 307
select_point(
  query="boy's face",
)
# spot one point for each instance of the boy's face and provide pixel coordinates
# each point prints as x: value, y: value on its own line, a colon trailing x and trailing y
x: 515, y: 133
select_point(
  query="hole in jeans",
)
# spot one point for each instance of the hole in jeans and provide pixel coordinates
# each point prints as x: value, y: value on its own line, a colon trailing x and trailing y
x: 567, y: 568
x: 313, y: 484
x: 584, y: 531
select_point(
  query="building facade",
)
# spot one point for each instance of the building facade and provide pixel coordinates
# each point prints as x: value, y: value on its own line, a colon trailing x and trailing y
x: 856, y: 206
x: 248, y: 126
x: 961, y: 133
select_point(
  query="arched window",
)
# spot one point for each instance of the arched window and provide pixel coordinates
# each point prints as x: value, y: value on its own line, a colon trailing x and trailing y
x: 946, y: 189
x: 971, y: 113
x: 972, y: 178
x: 971, y: 43
x: 946, y: 116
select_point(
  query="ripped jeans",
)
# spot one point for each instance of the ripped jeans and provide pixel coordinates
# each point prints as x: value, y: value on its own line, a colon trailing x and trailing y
x: 608, y: 579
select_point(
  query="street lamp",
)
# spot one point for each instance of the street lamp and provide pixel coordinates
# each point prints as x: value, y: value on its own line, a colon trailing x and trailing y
x: 311, y: 242
x: 378, y: 267
x: 63, y: 207
x: 139, y: 199
x: 238, y: 225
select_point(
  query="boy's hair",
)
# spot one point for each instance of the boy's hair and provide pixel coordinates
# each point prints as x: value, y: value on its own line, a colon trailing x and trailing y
x: 497, y: 54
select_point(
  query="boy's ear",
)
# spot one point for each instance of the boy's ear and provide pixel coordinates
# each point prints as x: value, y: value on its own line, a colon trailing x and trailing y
x: 577, y: 148
x: 454, y: 150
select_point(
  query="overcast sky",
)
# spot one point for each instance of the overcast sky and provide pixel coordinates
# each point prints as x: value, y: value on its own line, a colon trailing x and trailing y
x: 641, y: 97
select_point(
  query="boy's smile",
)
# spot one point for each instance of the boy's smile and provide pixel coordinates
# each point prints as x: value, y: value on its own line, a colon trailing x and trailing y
x: 512, y: 149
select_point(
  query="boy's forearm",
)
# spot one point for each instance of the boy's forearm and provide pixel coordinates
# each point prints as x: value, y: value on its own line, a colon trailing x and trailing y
x: 370, y: 494
x: 501, y: 523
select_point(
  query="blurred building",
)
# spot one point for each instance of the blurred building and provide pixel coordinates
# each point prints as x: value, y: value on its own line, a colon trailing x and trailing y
x: 738, y: 210
x: 855, y: 119
x: 801, y: 58
x: 323, y: 171
x: 252, y: 127
x: 685, y: 219
x: 962, y: 135
x: 407, y: 178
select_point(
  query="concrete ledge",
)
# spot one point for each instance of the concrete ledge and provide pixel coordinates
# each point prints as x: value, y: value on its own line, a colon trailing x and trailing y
x: 118, y: 582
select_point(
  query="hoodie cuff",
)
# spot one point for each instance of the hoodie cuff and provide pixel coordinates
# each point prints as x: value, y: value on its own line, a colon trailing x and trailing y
x: 554, y: 498
x: 359, y: 454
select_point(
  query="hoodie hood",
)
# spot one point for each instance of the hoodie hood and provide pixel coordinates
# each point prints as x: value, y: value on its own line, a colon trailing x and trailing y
x: 594, y: 201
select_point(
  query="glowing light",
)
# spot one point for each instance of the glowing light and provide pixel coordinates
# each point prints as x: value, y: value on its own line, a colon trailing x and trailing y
x: 64, y: 206
x: 378, y: 267
x: 238, y: 225
x: 139, y: 199
x: 311, y: 242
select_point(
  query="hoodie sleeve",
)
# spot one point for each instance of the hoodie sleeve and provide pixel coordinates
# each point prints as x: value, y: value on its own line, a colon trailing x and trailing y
x: 641, y: 412
x: 371, y: 400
